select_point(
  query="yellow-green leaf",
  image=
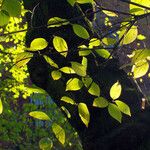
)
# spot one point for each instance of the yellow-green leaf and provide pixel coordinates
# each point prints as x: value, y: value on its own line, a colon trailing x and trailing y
x: 66, y: 111
x: 78, y: 68
x: 84, y: 113
x: 94, y: 89
x: 1, y: 107
x: 45, y: 143
x: 39, y: 115
x: 84, y: 1
x: 38, y: 44
x: 59, y: 133
x: 68, y: 100
x: 67, y: 70
x: 100, y: 102
x: 123, y: 107
x: 110, y: 13
x: 94, y: 43
x: 141, y: 37
x: 56, y: 75
x: 4, y: 17
x: 103, y: 53
x: 114, y: 112
x: 87, y: 81
x: 60, y: 45
x: 115, y: 90
x: 83, y: 50
x: 74, y: 84
x: 80, y: 31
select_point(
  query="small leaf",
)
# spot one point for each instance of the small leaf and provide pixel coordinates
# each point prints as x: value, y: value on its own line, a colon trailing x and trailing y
x: 83, y: 50
x: 141, y: 37
x: 67, y: 70
x: 66, y: 111
x: 84, y: 113
x: 109, y: 41
x: 87, y: 81
x: 115, y: 112
x: 100, y: 102
x: 45, y: 143
x: 110, y: 13
x: 80, y: 31
x: 84, y: 1
x: 57, y: 22
x: 115, y: 90
x: 59, y: 133
x: 1, y: 107
x: 4, y: 17
x: 103, y: 53
x: 94, y: 43
x: 56, y: 75
x: 68, y: 100
x: 39, y: 115
x: 73, y: 84
x: 79, y: 68
x: 50, y: 61
x: 60, y: 45
x: 23, y: 58
x: 38, y: 44
x: 94, y: 89
x: 71, y: 2
x: 123, y: 107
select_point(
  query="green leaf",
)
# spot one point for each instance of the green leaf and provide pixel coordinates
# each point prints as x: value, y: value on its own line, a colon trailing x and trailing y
x: 84, y: 113
x: 87, y: 81
x: 50, y: 61
x: 1, y: 107
x: 60, y: 45
x: 39, y: 115
x: 38, y: 44
x: 56, y: 75
x: 103, y: 53
x: 80, y: 31
x: 35, y: 90
x: 13, y: 7
x: 94, y: 43
x: 100, y: 102
x: 59, y: 133
x: 78, y: 68
x: 140, y: 69
x: 115, y: 90
x: 45, y: 143
x: 109, y: 41
x: 67, y: 70
x: 73, y: 84
x: 130, y: 36
x: 71, y: 2
x: 83, y: 50
x: 23, y: 58
x: 94, y: 89
x: 141, y: 37
x: 68, y: 100
x: 123, y: 107
x: 57, y: 22
x: 4, y: 17
x: 110, y: 13
x: 66, y: 111
x: 84, y: 1
x: 114, y: 112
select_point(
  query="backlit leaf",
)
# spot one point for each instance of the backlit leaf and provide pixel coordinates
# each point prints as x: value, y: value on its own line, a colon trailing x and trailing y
x: 94, y: 89
x: 66, y: 111
x: 1, y: 107
x: 100, y: 102
x: 67, y: 70
x: 39, y: 115
x: 59, y: 133
x: 45, y: 143
x: 94, y: 43
x: 123, y: 107
x: 114, y: 112
x: 110, y: 13
x: 60, y: 45
x: 68, y: 100
x: 50, y: 61
x: 103, y: 53
x: 84, y: 1
x: 84, y: 113
x: 4, y: 17
x: 56, y: 75
x: 87, y: 81
x: 115, y: 90
x: 74, y: 84
x: 83, y: 50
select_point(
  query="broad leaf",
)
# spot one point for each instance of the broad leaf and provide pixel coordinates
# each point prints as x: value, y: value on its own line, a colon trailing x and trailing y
x: 114, y: 112
x: 83, y: 50
x: 94, y: 89
x: 103, y: 53
x: 50, y: 61
x: 115, y: 90
x: 100, y: 102
x: 59, y: 133
x: 84, y: 1
x: 110, y: 13
x: 56, y: 75
x: 87, y: 81
x: 80, y: 31
x: 1, y: 107
x: 67, y: 70
x: 74, y: 84
x: 60, y: 45
x: 4, y: 17
x: 39, y: 115
x: 45, y: 143
x: 123, y: 107
x: 68, y: 100
x: 84, y: 113
x: 94, y: 43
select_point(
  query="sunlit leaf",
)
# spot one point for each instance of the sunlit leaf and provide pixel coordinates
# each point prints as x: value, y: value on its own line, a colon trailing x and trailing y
x: 103, y: 53
x: 115, y: 90
x: 59, y: 133
x: 114, y: 112
x: 84, y: 1
x: 50, y: 61
x: 83, y: 50
x: 94, y: 43
x: 80, y: 31
x: 100, y: 102
x: 87, y: 81
x: 60, y: 45
x: 141, y: 37
x: 66, y: 111
x: 1, y: 107
x: 110, y: 13
x: 13, y: 7
x: 38, y: 44
x: 123, y: 107
x: 4, y: 17
x: 74, y: 84
x: 39, y: 115
x: 67, y: 70
x: 84, y: 113
x: 79, y: 68
x: 35, y: 90
x: 68, y: 100
x: 45, y: 143
x: 94, y: 89
x: 56, y: 75
x: 109, y: 41
x: 57, y: 22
